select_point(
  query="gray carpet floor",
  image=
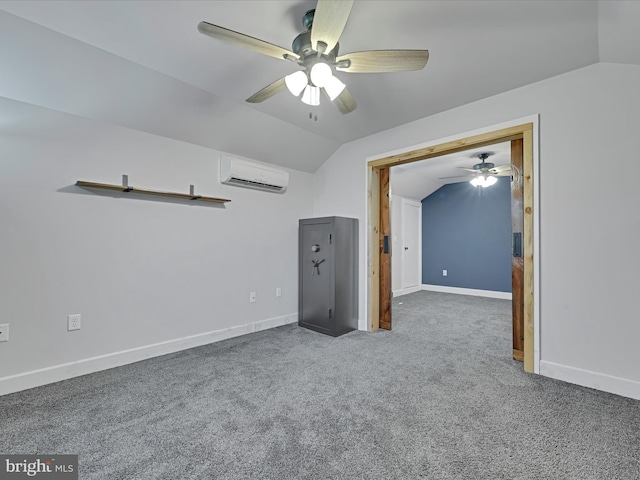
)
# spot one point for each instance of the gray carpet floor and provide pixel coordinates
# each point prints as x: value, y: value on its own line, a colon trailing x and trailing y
x: 438, y: 397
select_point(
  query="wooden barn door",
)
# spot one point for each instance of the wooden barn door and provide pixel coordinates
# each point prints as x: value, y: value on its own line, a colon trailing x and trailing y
x: 385, y: 251
x: 517, y: 249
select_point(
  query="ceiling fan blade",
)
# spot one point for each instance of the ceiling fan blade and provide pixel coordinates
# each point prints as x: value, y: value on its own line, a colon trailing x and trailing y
x: 245, y: 41
x: 469, y: 170
x: 501, y: 168
x: 504, y: 173
x: 376, y: 61
x: 345, y: 102
x: 329, y: 20
x: 268, y: 91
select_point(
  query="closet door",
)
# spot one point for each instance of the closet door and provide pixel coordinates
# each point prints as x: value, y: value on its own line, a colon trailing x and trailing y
x: 411, y: 238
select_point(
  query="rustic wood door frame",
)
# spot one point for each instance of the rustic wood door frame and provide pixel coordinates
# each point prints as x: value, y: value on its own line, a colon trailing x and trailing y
x: 376, y: 260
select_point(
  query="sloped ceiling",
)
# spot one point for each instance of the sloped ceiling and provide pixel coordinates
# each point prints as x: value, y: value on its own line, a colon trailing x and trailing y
x: 143, y: 64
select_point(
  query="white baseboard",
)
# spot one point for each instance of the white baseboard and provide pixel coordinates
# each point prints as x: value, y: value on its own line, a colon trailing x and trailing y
x: 595, y: 380
x: 56, y: 373
x: 468, y: 291
x: 405, y: 291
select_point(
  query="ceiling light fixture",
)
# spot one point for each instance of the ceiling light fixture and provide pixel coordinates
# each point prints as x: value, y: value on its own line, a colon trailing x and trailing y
x: 333, y: 87
x: 320, y: 74
x: 311, y: 95
x: 296, y: 82
x: 483, y: 181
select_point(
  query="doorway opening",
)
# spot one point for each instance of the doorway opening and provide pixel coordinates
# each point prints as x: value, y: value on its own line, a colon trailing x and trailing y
x: 379, y: 261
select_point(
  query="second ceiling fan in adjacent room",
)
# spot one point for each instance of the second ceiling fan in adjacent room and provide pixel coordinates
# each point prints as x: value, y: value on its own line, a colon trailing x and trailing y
x: 484, y: 173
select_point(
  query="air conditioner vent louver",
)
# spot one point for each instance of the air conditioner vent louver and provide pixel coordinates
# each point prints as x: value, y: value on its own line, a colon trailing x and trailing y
x: 243, y: 173
x: 249, y: 183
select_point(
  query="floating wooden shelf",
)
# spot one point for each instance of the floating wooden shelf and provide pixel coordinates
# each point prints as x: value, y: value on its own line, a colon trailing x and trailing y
x: 146, y: 191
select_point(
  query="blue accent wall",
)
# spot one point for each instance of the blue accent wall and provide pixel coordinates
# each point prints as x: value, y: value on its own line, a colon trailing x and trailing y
x: 466, y: 230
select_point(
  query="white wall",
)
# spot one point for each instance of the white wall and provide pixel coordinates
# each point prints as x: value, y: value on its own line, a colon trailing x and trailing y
x: 588, y: 193
x: 141, y: 272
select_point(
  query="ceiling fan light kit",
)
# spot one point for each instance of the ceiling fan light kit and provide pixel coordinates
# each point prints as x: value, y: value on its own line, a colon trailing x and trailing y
x: 483, y: 181
x: 316, y: 52
x: 486, y: 171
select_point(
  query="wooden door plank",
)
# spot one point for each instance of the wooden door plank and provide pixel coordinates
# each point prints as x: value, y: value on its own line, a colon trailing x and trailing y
x: 373, y: 194
x: 385, y: 257
x: 517, y: 263
x: 527, y: 139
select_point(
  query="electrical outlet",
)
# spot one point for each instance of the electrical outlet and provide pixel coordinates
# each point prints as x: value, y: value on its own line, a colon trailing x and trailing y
x: 252, y: 297
x: 73, y: 322
x: 278, y: 292
x: 4, y: 332
x: 444, y: 273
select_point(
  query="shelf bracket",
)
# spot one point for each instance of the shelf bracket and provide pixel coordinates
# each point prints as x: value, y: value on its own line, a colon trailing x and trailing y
x: 192, y: 193
x: 125, y: 183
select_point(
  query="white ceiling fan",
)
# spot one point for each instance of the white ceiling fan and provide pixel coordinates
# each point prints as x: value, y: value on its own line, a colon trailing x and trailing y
x: 316, y: 52
x: 484, y: 173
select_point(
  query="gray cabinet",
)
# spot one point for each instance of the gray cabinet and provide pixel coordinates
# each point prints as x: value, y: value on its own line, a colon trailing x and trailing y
x: 328, y: 274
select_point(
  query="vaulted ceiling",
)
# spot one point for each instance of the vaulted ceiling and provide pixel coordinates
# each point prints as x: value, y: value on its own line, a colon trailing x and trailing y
x: 143, y: 64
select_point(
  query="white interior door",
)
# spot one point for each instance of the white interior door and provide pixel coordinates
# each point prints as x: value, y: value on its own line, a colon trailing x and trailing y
x: 412, y: 240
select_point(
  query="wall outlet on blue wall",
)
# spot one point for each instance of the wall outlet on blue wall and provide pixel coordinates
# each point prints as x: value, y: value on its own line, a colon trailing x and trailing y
x: 444, y: 273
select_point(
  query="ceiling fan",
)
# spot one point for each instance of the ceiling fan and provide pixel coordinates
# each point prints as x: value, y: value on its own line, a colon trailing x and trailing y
x: 484, y: 173
x: 316, y: 52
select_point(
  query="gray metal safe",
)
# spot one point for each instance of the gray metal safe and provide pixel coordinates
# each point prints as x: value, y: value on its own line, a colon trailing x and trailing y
x: 328, y: 274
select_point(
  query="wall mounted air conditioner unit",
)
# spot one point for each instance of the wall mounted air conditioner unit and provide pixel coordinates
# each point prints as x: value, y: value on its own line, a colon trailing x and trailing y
x: 235, y: 171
